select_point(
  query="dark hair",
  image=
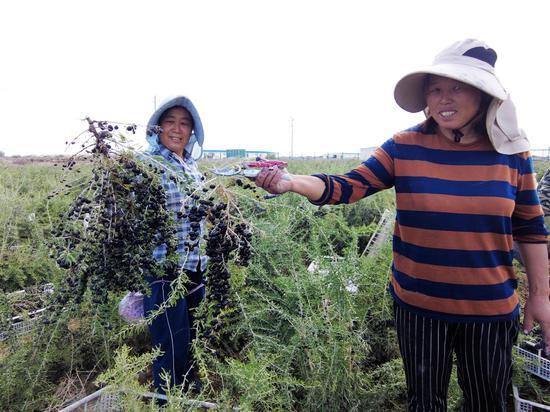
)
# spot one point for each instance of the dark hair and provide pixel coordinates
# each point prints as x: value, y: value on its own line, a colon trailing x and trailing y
x: 480, y: 119
x: 165, y: 113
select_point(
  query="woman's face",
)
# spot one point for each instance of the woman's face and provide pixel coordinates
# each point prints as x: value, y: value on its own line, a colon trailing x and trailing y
x: 452, y: 103
x: 177, y: 126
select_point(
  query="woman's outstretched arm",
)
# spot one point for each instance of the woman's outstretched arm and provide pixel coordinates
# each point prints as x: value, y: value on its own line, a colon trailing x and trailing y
x: 277, y: 181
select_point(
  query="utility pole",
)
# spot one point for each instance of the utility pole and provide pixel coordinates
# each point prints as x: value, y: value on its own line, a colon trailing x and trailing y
x: 291, y: 136
x: 155, y: 103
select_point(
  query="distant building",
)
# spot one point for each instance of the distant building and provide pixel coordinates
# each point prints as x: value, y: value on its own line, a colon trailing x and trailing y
x: 342, y: 155
x: 214, y: 154
x: 366, y: 152
x: 264, y: 154
x: 235, y: 153
x: 239, y: 153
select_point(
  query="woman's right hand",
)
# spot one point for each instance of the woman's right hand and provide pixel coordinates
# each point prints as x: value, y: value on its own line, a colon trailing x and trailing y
x: 274, y: 180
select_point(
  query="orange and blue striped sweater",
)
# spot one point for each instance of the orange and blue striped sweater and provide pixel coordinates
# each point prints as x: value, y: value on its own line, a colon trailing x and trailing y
x: 459, y: 209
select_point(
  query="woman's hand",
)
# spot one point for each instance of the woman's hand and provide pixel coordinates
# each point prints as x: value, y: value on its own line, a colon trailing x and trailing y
x: 537, y: 309
x: 274, y: 180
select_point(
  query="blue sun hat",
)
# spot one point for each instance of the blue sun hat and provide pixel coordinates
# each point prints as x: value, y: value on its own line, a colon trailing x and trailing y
x: 197, y: 136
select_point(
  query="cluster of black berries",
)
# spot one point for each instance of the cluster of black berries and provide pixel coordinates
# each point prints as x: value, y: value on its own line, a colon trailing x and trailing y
x: 243, y: 252
x: 258, y: 209
x: 105, y: 241
x: 244, y: 185
x: 226, y: 241
x: 195, y: 213
x: 154, y: 130
x: 217, y: 287
x: 102, y: 132
x: 250, y: 187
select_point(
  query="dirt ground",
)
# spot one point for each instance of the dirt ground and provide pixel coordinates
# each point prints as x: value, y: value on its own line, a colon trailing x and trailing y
x: 27, y: 160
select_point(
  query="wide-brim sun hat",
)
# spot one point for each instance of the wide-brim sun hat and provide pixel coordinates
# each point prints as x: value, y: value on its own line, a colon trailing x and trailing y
x: 469, y: 61
x: 472, y: 62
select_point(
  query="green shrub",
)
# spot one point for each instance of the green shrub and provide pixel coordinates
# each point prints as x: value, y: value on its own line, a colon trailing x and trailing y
x: 297, y: 339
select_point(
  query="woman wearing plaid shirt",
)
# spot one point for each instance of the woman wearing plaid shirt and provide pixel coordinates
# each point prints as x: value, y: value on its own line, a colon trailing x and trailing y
x: 172, y: 330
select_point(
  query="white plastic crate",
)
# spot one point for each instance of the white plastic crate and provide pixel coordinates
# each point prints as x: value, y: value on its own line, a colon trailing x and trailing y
x: 21, y: 326
x: 381, y: 234
x: 106, y: 401
x: 522, y: 405
x: 99, y: 401
x: 535, y: 363
x: 46, y: 289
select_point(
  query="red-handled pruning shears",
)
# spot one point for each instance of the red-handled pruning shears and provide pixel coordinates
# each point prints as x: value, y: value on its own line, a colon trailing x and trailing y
x: 249, y: 169
x: 265, y: 163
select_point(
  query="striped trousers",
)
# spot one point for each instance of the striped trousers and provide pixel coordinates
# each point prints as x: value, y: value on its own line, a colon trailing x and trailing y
x: 483, y: 355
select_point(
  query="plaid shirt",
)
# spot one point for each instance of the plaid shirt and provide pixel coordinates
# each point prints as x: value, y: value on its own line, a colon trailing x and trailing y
x: 175, y: 200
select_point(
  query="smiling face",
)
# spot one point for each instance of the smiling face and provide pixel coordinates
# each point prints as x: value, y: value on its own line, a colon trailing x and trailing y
x: 452, y: 104
x: 177, y: 126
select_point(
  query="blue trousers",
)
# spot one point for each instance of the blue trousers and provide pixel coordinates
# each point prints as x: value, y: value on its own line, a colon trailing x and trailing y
x: 173, y: 331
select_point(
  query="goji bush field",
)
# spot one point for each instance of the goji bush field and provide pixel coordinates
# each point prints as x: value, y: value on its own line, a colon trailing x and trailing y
x: 296, y: 317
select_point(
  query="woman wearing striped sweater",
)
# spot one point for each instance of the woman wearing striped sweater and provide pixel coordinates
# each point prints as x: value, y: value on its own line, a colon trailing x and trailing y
x: 465, y: 190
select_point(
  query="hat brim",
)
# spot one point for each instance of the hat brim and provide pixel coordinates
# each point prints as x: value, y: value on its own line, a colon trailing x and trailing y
x: 409, y: 91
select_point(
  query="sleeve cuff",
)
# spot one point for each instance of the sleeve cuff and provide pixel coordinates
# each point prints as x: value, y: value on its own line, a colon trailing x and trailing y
x: 325, y: 197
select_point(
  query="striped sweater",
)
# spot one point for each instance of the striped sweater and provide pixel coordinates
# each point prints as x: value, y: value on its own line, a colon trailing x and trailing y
x: 459, y: 208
